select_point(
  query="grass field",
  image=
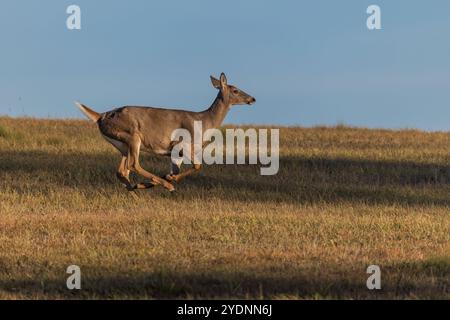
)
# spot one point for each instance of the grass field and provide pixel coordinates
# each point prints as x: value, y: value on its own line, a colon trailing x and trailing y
x: 344, y: 199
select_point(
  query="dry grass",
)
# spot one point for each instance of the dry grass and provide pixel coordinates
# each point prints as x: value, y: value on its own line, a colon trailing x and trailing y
x: 344, y: 198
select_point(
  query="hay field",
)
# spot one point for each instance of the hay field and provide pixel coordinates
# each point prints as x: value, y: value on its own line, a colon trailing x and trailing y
x: 344, y: 198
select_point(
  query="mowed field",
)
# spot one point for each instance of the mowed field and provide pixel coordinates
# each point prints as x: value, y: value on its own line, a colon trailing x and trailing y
x: 344, y: 199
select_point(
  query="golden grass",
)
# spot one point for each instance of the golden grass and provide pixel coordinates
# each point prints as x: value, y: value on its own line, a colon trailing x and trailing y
x: 344, y: 198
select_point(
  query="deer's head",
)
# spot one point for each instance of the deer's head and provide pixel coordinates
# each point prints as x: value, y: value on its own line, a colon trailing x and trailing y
x: 230, y: 93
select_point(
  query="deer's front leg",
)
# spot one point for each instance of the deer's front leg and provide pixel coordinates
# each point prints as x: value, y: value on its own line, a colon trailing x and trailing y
x: 178, y: 177
x: 175, y: 168
x: 175, y: 175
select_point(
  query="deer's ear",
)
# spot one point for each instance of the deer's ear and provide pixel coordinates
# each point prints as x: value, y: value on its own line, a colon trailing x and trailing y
x: 223, y: 80
x: 215, y: 82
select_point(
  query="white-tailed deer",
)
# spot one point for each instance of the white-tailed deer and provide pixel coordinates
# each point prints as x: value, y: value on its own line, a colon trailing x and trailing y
x: 131, y: 129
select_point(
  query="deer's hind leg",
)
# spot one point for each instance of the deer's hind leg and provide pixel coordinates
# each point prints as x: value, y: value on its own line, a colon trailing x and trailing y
x: 134, y: 165
x: 123, y: 174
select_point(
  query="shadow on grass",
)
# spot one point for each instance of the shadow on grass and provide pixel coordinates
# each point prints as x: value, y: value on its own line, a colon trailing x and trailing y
x: 406, y: 280
x: 299, y: 180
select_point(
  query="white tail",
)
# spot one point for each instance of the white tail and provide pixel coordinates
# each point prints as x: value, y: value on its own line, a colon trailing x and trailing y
x: 91, y: 114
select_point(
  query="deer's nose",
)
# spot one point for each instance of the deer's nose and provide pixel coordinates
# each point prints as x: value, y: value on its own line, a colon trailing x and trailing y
x: 252, y: 100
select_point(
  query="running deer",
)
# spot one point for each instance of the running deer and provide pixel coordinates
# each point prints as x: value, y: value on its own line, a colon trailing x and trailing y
x: 131, y: 129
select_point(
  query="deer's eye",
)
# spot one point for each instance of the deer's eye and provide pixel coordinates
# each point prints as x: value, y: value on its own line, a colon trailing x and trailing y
x: 235, y: 91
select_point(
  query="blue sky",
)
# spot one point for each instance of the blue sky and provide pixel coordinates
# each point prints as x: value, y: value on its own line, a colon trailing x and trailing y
x: 307, y: 62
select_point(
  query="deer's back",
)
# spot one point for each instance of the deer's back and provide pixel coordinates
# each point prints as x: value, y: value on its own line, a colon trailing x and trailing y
x: 154, y: 126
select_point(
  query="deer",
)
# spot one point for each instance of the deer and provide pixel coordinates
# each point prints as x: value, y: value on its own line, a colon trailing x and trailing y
x: 132, y: 129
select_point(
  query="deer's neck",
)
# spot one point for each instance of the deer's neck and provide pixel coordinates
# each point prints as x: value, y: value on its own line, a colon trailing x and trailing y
x: 217, y: 112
